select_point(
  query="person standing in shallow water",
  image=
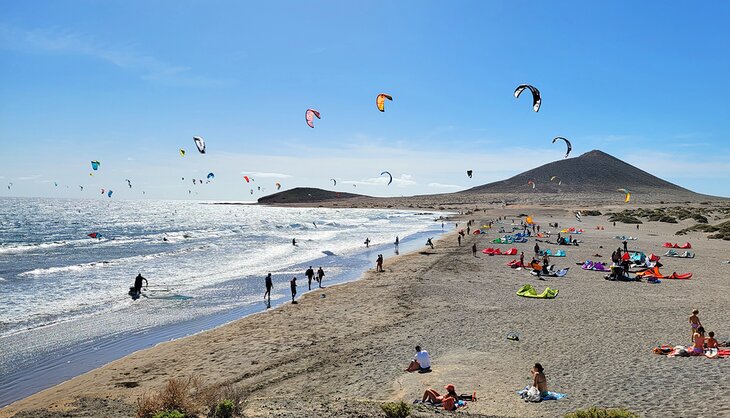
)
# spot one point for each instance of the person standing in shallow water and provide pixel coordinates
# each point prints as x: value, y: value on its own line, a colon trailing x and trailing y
x: 269, y: 285
x: 320, y: 276
x: 310, y: 275
x: 293, y: 285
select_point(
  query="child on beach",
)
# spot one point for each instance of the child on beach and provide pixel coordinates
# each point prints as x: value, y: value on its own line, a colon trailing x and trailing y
x: 694, y: 322
x: 711, y: 342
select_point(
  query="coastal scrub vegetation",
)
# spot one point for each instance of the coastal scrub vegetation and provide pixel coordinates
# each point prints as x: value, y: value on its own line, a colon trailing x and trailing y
x: 396, y: 409
x: 590, y: 212
x: 189, y: 397
x: 722, y: 230
x: 594, y: 412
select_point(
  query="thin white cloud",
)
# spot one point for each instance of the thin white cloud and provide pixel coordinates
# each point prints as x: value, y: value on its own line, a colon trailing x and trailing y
x: 444, y: 186
x: 255, y: 174
x: 123, y: 56
x: 30, y: 177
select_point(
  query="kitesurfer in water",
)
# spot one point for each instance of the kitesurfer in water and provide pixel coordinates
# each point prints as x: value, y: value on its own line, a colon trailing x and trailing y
x: 138, y: 283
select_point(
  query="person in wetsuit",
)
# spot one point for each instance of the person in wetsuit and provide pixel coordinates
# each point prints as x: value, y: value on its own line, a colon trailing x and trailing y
x: 138, y: 284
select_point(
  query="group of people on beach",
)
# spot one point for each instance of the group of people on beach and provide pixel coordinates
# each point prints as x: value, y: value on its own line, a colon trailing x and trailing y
x: 309, y: 274
x: 699, y: 342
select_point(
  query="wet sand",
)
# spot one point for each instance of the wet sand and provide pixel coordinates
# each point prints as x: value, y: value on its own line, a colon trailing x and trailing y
x: 333, y: 356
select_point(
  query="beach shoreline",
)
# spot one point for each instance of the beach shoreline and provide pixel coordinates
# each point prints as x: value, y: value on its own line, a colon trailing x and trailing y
x: 353, y: 344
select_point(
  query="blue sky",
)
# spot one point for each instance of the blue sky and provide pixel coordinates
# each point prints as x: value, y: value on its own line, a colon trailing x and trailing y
x: 130, y: 82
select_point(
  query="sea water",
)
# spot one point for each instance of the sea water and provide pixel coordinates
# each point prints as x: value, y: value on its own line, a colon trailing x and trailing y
x: 64, y: 307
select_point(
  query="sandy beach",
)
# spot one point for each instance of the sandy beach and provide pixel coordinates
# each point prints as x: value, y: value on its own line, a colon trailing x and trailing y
x: 342, y: 354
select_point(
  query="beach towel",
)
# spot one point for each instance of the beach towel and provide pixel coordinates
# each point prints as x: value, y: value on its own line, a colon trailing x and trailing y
x: 528, y: 291
x: 559, y: 253
x: 531, y: 394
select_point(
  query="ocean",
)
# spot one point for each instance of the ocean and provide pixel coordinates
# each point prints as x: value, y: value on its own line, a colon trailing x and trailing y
x: 64, y: 303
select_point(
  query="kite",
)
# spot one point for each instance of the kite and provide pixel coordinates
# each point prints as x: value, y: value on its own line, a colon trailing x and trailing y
x: 309, y: 116
x: 94, y: 235
x: 536, y: 100
x: 578, y: 216
x: 199, y: 143
x: 95, y: 165
x: 553, y: 178
x: 389, y: 175
x: 570, y: 147
x: 109, y: 193
x: 247, y: 178
x: 380, y: 101
x: 278, y: 185
x: 468, y: 173
x: 195, y: 181
x: 103, y: 191
x: 211, y: 176
x: 628, y: 194
x: 129, y: 182
x: 531, y: 182
x: 334, y: 182
x: 182, y: 152
x: 10, y: 185
x: 82, y: 188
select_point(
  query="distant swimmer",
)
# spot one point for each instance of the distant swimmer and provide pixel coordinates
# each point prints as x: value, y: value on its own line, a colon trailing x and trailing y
x: 320, y: 276
x: 269, y: 286
x: 310, y: 275
x: 293, y: 285
x: 367, y: 242
x: 137, y: 289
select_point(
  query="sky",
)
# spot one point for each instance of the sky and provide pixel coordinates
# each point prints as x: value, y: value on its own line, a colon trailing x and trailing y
x: 129, y: 83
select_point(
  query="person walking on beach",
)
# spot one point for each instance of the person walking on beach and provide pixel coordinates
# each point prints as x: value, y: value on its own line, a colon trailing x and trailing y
x: 522, y: 259
x: 367, y: 242
x: 625, y: 246
x: 429, y: 243
x: 397, y: 241
x: 269, y: 286
x: 474, y: 250
x: 293, y: 285
x: 320, y: 276
x: 537, y: 250
x: 694, y: 322
x: 459, y: 239
x: 379, y: 263
x: 310, y: 275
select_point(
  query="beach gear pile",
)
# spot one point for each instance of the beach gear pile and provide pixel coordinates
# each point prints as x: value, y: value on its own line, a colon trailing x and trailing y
x: 685, y: 246
x: 682, y: 351
x: 594, y: 266
x: 531, y: 394
x: 654, y: 273
x: 551, y: 272
x: 497, y: 251
x: 548, y: 252
x: 527, y: 291
x: 686, y: 254
x: 625, y: 238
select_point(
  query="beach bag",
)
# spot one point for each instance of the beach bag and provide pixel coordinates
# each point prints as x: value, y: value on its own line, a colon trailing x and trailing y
x: 532, y: 395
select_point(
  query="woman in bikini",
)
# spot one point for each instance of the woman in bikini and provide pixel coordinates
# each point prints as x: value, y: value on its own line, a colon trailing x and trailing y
x: 698, y: 348
x: 694, y: 322
x: 538, y: 379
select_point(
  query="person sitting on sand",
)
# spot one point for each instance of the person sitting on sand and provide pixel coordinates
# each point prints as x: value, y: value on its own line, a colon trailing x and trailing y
x: 450, y: 397
x: 694, y: 322
x: 711, y: 342
x: 698, y: 347
x: 538, y: 379
x: 421, y: 361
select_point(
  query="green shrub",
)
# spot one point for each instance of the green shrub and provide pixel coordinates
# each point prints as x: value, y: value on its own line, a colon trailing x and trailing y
x: 396, y: 409
x: 169, y: 414
x: 590, y: 212
x: 594, y: 412
x: 224, y: 409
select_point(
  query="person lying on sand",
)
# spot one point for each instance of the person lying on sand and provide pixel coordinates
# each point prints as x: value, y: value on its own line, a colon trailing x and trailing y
x: 421, y: 361
x: 448, y: 400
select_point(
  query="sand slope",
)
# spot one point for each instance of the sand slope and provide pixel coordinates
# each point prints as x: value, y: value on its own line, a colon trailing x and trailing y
x: 594, y: 339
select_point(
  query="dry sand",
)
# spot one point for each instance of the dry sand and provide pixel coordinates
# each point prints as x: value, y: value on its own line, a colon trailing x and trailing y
x: 324, y: 356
